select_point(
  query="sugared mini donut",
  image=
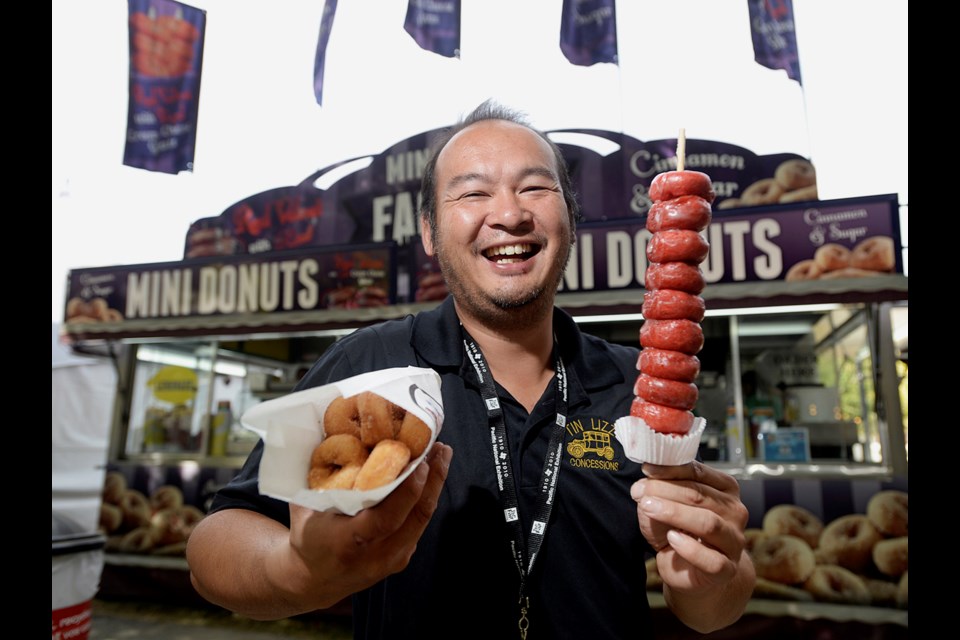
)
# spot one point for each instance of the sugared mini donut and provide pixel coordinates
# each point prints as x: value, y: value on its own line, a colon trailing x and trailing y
x: 672, y: 393
x: 729, y: 203
x: 111, y: 517
x: 836, y: 584
x: 338, y: 455
x: 662, y: 419
x: 114, y: 486
x: 800, y: 195
x: 166, y: 497
x: 890, y: 556
x: 414, y: 433
x: 803, y: 270
x: 341, y: 416
x: 883, y: 593
x: 753, y: 535
x: 136, y: 509
x: 874, y: 254
x: 674, y: 275
x: 831, y: 256
x: 376, y: 418
x: 190, y: 516
x: 795, y: 521
x: 795, y: 174
x: 677, y: 245
x: 139, y: 540
x: 385, y: 462
x: 175, y: 524
x: 889, y: 513
x: 671, y: 365
x: 684, y: 336
x: 848, y: 541
x: 763, y: 191
x: 847, y: 272
x: 770, y: 590
x: 902, y: 593
x: 783, y: 558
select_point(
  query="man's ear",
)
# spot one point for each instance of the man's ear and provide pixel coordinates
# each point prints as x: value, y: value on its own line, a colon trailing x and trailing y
x: 426, y: 236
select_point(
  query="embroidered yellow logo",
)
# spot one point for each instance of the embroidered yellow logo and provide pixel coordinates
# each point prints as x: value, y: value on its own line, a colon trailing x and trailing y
x: 591, y: 446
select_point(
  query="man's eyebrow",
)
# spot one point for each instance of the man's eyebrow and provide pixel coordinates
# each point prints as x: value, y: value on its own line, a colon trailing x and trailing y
x: 542, y: 172
x: 456, y: 181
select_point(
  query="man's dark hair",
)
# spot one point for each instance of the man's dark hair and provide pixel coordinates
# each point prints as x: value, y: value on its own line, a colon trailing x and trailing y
x: 489, y: 110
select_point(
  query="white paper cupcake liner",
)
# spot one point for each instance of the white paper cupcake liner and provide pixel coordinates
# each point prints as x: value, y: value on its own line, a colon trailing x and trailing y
x: 643, y: 444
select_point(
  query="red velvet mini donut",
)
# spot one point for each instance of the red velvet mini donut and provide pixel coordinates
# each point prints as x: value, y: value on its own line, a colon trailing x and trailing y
x: 671, y: 365
x: 677, y: 245
x: 684, y: 336
x: 671, y: 304
x: 686, y: 212
x: 672, y: 184
x: 679, y: 395
x: 675, y: 275
x: 661, y: 418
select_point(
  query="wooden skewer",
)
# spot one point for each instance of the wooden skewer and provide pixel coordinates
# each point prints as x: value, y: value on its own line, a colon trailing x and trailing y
x: 681, y: 148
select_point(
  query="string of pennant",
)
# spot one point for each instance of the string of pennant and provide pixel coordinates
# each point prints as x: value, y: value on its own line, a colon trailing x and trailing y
x: 588, y: 33
x: 166, y: 44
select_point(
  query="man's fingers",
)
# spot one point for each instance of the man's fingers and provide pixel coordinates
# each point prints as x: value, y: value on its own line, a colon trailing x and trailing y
x: 430, y: 477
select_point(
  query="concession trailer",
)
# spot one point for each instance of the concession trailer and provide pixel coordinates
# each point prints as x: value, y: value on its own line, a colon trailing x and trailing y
x: 803, y: 372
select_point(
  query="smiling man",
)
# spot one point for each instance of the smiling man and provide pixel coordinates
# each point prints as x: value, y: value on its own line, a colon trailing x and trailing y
x: 526, y: 519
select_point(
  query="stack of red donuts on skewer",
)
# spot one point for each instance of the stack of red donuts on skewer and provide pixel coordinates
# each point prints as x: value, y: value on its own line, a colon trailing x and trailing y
x: 671, y: 335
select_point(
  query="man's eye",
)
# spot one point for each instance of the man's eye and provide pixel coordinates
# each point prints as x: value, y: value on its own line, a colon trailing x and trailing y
x: 536, y: 187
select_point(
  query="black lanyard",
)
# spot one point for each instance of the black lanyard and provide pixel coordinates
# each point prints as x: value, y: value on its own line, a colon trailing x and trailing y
x: 524, y: 549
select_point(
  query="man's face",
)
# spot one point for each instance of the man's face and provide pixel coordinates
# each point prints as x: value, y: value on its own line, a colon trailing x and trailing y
x: 503, y: 229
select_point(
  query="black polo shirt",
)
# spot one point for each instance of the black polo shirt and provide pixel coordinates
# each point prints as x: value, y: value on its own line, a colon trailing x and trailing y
x: 588, y: 580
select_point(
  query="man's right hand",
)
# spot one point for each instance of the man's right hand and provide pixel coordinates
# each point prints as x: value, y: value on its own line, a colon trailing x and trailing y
x: 253, y: 565
x: 332, y: 556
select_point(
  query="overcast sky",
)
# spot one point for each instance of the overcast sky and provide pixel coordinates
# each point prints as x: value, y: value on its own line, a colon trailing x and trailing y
x: 683, y: 64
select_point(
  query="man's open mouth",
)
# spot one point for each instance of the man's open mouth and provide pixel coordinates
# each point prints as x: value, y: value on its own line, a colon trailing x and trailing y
x: 511, y: 253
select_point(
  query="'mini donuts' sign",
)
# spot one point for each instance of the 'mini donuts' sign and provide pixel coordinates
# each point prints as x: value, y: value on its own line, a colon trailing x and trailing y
x: 347, y: 237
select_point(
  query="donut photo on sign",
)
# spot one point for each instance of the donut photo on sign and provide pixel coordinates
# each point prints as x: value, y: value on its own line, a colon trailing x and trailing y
x: 869, y: 257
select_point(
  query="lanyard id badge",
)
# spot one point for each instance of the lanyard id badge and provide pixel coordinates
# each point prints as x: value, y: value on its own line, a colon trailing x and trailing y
x: 524, y: 547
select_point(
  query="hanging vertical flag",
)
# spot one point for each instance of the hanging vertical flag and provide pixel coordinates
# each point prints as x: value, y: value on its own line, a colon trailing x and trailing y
x: 435, y: 25
x: 588, y: 31
x: 166, y: 57
x: 326, y: 25
x: 774, y: 36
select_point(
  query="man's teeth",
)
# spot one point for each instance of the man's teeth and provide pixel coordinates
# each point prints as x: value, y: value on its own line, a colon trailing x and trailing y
x: 502, y: 255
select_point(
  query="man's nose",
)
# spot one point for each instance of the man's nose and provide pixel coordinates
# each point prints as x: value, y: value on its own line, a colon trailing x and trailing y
x: 509, y: 211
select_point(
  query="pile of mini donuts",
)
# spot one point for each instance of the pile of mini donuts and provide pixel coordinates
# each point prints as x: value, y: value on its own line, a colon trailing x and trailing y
x: 868, y: 257
x: 793, y: 180
x: 368, y: 442
x: 158, y: 524
x: 858, y: 559
x: 671, y: 335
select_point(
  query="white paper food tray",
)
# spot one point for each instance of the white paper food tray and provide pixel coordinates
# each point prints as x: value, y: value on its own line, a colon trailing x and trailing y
x: 292, y: 425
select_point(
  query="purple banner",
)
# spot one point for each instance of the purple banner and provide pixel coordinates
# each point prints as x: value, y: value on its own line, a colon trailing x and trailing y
x: 826, y: 240
x: 326, y: 25
x: 336, y: 278
x: 588, y: 31
x: 774, y: 36
x: 435, y: 25
x: 166, y: 57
